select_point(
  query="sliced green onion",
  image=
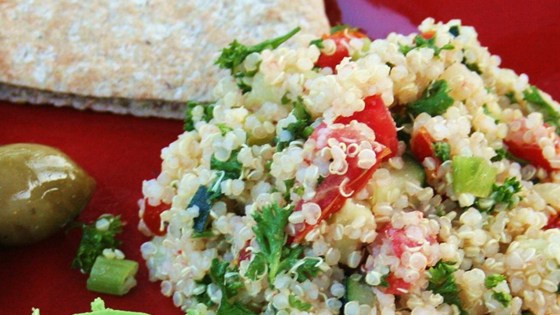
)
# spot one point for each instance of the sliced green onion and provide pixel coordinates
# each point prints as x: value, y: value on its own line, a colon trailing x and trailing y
x: 112, y: 276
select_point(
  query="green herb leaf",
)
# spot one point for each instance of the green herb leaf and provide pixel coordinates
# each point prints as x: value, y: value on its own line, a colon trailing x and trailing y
x: 224, y: 129
x: 299, y: 304
x: 317, y: 42
x: 442, y: 150
x: 502, y: 297
x: 434, y: 101
x: 95, y: 240
x: 308, y: 269
x: 383, y: 281
x: 421, y: 42
x: 442, y: 282
x: 208, y: 114
x: 231, y: 168
x: 501, y: 194
x: 551, y: 115
x: 232, y: 57
x: 492, y: 281
x: 257, y: 267
x: 270, y: 235
x: 300, y: 129
x: 229, y: 282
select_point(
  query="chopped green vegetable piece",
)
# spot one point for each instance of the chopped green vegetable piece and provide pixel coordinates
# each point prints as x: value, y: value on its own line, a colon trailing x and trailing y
x: 421, y: 42
x: 511, y: 96
x: 454, y: 30
x: 492, y: 280
x: 232, y: 57
x: 200, y: 200
x: 231, y: 168
x: 207, y: 115
x: 289, y: 185
x: 98, y: 308
x: 229, y: 282
x: 502, y: 297
x: 442, y: 150
x: 112, y: 276
x: 299, y: 304
x: 536, y: 102
x: 300, y: 129
x: 434, y: 101
x: 442, y: 282
x: 95, y: 238
x: 357, y: 290
x: 473, y: 175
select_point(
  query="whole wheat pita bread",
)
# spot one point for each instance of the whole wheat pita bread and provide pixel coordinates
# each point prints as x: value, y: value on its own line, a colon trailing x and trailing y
x: 145, y: 57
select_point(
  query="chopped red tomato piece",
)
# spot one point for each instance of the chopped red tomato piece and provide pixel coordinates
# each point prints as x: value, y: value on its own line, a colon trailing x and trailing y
x: 553, y: 222
x: 397, y: 286
x: 523, y: 143
x: 244, y: 253
x: 335, y: 189
x: 422, y: 146
x: 399, y: 240
x: 377, y: 116
x: 151, y: 217
x: 428, y: 34
x: 341, y: 39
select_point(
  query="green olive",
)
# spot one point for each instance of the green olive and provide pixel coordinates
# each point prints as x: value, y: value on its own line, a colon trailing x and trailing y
x: 41, y: 190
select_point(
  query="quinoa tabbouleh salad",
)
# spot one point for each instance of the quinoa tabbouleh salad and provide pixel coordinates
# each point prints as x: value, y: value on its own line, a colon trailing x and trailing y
x: 406, y: 175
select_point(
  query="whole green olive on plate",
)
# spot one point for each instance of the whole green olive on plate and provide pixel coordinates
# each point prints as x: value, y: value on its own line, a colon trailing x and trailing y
x: 41, y: 190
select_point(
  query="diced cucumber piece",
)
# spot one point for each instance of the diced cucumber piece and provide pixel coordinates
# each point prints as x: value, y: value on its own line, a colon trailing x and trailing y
x: 98, y: 308
x: 410, y: 172
x: 345, y: 216
x: 112, y: 276
x: 473, y: 175
x: 357, y: 290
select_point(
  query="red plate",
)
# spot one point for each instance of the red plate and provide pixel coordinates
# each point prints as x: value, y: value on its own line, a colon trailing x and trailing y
x: 121, y: 151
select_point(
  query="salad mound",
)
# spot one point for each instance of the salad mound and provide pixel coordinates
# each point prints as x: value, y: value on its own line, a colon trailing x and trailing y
x: 407, y: 175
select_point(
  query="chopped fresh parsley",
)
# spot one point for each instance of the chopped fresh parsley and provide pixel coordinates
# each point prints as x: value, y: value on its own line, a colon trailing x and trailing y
x: 472, y: 66
x: 224, y: 129
x: 511, y: 97
x: 505, y: 194
x: 455, y: 30
x: 342, y: 27
x: 232, y: 57
x: 299, y: 304
x: 500, y: 155
x: 317, y: 42
x: 502, y: 297
x: 421, y: 42
x: 536, y: 102
x: 231, y: 168
x: 289, y: 183
x: 207, y: 115
x: 95, y: 238
x: 442, y: 282
x: 229, y: 281
x: 492, y: 280
x: 274, y: 256
x: 442, y: 150
x: 300, y: 129
x: 434, y: 101
x: 383, y: 281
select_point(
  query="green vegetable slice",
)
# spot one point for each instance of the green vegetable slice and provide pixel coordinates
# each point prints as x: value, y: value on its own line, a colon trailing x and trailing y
x: 473, y: 175
x: 112, y: 276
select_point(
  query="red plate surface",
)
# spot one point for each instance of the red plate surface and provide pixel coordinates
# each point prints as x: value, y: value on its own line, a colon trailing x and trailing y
x: 121, y: 151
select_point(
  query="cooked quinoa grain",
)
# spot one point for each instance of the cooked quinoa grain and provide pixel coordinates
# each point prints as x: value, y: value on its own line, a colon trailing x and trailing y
x: 406, y: 175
